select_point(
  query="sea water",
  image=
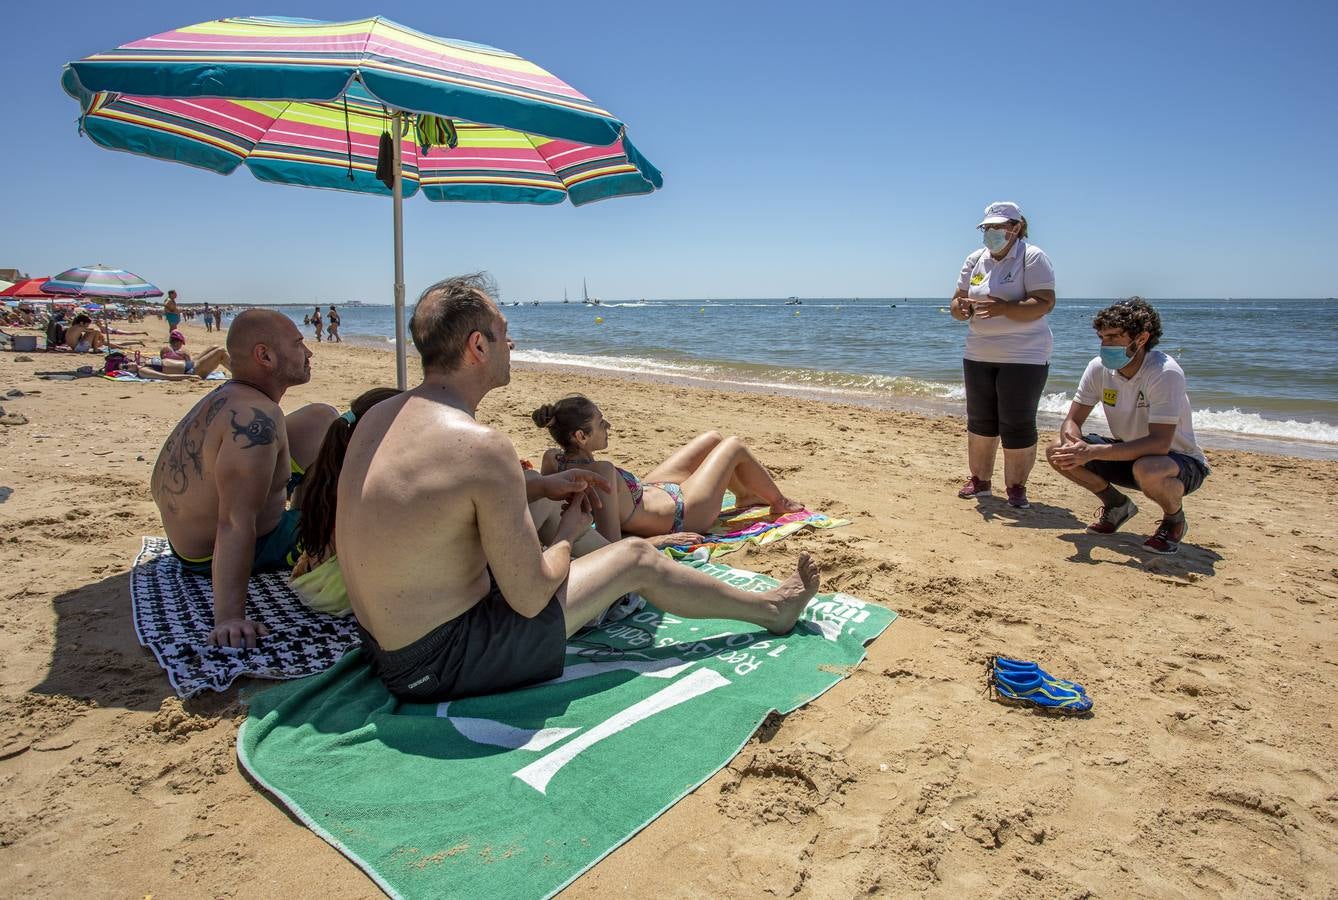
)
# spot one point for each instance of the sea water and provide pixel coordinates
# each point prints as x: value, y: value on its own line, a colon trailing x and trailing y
x: 1261, y: 372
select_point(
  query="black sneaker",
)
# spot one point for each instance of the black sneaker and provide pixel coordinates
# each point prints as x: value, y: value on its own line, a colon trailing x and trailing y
x: 1166, y: 539
x: 1110, y: 518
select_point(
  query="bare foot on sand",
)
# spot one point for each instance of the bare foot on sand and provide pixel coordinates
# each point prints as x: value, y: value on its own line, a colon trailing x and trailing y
x: 786, y: 505
x: 792, y: 595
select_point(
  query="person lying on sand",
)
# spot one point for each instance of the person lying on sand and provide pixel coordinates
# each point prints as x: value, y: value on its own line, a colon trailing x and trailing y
x: 324, y: 589
x: 223, y: 476
x: 686, y: 489
x: 160, y: 368
x: 174, y: 359
x: 453, y: 592
x: 83, y: 337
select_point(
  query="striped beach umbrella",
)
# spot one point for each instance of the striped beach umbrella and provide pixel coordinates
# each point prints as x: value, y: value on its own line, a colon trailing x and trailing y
x: 367, y: 106
x: 102, y: 282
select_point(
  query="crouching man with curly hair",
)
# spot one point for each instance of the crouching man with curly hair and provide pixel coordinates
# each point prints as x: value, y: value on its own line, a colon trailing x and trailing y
x: 1142, y: 392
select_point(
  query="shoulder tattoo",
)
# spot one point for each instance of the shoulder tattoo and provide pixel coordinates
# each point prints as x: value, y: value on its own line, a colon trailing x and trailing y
x: 261, y: 430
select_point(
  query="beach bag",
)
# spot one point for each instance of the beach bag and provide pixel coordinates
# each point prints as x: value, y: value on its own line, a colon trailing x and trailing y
x: 114, y: 362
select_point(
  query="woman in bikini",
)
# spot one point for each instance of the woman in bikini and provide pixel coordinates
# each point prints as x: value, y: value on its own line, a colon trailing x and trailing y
x: 679, y: 498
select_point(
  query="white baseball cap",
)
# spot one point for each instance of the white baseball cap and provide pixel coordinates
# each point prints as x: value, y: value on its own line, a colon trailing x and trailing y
x: 1001, y: 212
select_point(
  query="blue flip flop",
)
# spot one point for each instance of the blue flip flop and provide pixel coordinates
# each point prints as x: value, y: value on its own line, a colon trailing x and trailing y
x: 1023, y: 683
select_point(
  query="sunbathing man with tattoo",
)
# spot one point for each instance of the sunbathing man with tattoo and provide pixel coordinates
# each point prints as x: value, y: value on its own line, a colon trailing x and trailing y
x: 444, y: 569
x: 223, y: 478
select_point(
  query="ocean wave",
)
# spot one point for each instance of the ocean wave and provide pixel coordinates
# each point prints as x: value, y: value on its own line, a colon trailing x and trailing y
x: 1237, y: 422
x: 633, y: 364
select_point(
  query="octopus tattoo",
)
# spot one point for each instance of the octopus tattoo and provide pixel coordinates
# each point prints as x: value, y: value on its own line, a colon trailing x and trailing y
x: 259, y: 431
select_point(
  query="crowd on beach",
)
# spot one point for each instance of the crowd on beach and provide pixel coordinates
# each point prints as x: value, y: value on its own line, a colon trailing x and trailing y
x: 77, y: 329
x: 359, y: 504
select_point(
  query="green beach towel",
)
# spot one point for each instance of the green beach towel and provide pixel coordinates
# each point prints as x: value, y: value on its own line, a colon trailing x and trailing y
x: 517, y: 794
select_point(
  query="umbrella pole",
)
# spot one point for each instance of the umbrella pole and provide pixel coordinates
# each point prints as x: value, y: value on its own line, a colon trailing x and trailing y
x: 401, y: 363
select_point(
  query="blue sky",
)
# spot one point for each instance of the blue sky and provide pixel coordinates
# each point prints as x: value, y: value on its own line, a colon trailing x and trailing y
x: 834, y: 149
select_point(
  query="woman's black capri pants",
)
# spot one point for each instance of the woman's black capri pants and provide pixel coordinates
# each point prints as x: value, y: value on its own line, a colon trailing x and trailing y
x: 1001, y: 400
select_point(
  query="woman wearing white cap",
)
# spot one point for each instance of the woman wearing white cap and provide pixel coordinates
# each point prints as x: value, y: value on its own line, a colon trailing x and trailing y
x: 1005, y: 290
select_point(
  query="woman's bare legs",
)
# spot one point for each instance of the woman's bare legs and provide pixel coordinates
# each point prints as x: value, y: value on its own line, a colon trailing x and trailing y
x: 680, y: 465
x: 210, y: 360
x: 633, y: 565
x: 684, y: 461
x: 728, y: 463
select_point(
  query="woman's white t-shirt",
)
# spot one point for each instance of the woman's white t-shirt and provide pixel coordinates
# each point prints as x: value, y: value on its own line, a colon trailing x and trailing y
x: 999, y: 339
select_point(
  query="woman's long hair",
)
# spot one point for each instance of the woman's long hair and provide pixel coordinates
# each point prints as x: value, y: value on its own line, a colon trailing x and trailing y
x: 321, y: 493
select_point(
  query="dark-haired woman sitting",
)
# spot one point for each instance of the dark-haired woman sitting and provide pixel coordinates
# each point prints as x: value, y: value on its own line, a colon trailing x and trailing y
x: 316, y: 577
x: 679, y: 498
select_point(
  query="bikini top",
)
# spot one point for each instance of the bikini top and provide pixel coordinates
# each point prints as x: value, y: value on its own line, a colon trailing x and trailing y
x: 633, y: 483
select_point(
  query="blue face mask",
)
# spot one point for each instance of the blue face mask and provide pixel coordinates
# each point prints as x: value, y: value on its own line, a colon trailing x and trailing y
x: 1116, y: 357
x: 996, y: 239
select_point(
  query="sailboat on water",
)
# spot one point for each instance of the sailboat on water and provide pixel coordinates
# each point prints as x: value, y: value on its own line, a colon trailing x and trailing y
x: 586, y: 298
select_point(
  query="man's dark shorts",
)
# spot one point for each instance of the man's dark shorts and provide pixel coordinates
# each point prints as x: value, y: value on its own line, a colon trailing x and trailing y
x: 489, y: 648
x: 1121, y: 471
x: 277, y: 550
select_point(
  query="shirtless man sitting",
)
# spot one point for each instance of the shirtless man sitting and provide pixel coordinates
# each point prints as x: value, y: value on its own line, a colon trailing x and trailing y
x: 221, y: 480
x: 453, y: 592
x: 83, y: 336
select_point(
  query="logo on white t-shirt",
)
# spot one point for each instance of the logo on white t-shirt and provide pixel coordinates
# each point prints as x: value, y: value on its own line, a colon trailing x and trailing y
x: 1141, y: 401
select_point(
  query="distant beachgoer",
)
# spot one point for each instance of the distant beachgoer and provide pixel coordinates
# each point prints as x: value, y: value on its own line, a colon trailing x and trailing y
x: 685, y: 490
x: 316, y: 322
x: 453, y: 592
x: 1005, y: 290
x: 223, y: 475
x: 174, y: 359
x: 196, y: 368
x: 208, y: 318
x: 83, y: 336
x: 170, y: 312
x: 1143, y: 394
x: 332, y: 329
x: 218, y: 318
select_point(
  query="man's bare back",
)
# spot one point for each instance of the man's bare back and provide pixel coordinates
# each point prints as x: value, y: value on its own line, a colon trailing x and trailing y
x: 411, y: 567
x: 183, y: 482
x: 219, y: 480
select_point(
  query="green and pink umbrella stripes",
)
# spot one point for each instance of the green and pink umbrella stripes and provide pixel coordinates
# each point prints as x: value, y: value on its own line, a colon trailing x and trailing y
x: 101, y: 282
x: 306, y: 102
x: 334, y: 145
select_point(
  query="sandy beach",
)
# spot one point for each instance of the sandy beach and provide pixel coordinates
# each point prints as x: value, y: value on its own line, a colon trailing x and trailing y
x: 1203, y: 771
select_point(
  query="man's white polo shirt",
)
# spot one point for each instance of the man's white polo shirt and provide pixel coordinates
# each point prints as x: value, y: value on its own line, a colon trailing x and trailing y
x: 1000, y: 339
x: 1156, y: 394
